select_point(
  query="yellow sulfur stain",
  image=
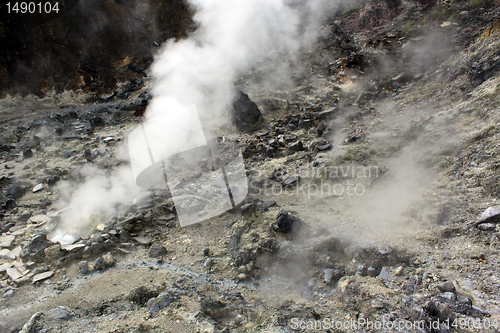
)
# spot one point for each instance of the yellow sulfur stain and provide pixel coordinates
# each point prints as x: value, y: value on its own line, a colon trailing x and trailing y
x: 491, y: 30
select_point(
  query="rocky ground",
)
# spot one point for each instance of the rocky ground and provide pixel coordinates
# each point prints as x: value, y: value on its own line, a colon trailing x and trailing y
x: 373, y: 196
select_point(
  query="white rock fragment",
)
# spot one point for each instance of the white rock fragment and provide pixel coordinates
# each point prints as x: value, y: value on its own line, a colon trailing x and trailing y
x: 15, y: 252
x: 3, y: 267
x: 37, y: 188
x: 39, y: 219
x: 19, y: 265
x: 42, y: 276
x: 14, y: 274
x: 5, y: 254
x: 22, y: 231
x: 9, y: 293
x: 6, y: 241
x: 73, y: 247
x: 32, y: 323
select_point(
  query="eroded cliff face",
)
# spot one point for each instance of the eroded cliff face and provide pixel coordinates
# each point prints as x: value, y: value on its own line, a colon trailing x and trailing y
x: 88, y: 47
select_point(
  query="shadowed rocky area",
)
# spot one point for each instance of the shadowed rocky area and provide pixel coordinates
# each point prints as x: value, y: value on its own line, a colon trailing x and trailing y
x: 94, y: 45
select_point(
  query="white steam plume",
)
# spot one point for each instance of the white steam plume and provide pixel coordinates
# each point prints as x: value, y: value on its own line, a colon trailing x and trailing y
x: 230, y: 38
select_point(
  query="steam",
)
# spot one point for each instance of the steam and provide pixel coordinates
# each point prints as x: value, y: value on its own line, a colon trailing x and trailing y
x: 231, y: 38
x: 100, y: 194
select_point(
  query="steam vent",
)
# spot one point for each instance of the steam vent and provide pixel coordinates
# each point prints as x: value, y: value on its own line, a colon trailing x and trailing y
x: 250, y: 166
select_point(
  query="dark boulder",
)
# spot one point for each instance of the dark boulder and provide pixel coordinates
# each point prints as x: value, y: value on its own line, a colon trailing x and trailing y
x: 245, y: 113
x: 142, y: 294
x: 97, y: 122
x: 286, y: 223
x: 34, y: 248
x: 295, y: 147
x: 157, y: 250
x: 214, y: 308
x: 27, y: 153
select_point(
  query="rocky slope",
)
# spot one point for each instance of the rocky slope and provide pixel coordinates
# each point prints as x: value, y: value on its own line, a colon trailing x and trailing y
x: 369, y: 184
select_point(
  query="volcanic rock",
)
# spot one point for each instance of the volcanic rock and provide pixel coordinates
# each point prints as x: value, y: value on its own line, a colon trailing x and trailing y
x: 96, y: 248
x: 446, y: 287
x: 61, y: 312
x: 42, y: 276
x: 487, y: 226
x: 10, y: 203
x: 14, y: 274
x: 83, y: 266
x: 33, y: 250
x: 6, y: 241
x: 490, y: 215
x: 245, y: 113
x: 325, y: 147
x: 165, y: 298
x: 320, y: 130
x: 99, y: 264
x: 53, y: 252
x: 286, y: 223
x: 97, y: 122
x: 384, y: 274
x: 124, y: 236
x: 142, y: 294
x: 295, y: 147
x: 37, y: 188
x: 15, y: 191
x: 247, y: 207
x: 463, y: 305
x: 143, y: 240
x: 208, y: 262
x: 328, y: 275
x: 32, y: 324
x: 27, y: 153
x: 25, y: 215
x: 264, y: 207
x: 157, y: 250
x: 153, y: 305
x: 290, y: 180
x: 109, y: 260
x: 325, y: 114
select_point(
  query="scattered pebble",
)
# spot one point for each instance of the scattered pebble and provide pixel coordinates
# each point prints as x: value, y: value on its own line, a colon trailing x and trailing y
x: 37, y: 188
x: 83, y: 266
x: 42, y: 276
x: 156, y: 251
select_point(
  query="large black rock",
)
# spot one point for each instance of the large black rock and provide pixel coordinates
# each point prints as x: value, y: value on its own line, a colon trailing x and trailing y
x: 245, y: 113
x: 286, y: 223
x: 33, y: 249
